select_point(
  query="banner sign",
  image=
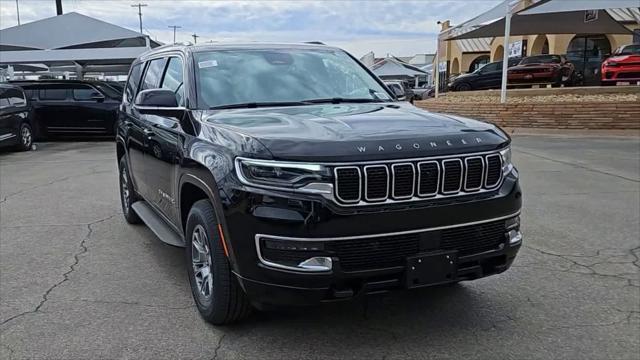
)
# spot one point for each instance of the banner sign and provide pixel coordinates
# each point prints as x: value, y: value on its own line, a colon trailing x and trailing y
x: 515, y: 49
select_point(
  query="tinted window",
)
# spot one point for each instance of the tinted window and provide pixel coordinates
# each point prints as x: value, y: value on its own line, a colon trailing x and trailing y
x: 84, y: 93
x: 16, y: 97
x: 543, y: 59
x: 53, y: 94
x: 133, y: 82
x: 494, y: 66
x: 629, y: 50
x: 173, y: 79
x: 30, y: 94
x: 153, y: 74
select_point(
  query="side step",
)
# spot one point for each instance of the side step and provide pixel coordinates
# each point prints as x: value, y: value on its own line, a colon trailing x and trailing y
x: 157, y: 224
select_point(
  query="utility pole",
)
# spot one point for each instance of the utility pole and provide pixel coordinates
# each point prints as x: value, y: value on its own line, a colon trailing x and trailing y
x: 140, y: 6
x: 195, y: 38
x: 174, y: 27
x: 58, y: 7
x: 18, y: 12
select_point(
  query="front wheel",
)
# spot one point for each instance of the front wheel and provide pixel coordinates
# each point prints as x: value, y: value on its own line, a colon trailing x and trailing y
x: 463, y: 87
x: 216, y: 291
x: 25, y: 137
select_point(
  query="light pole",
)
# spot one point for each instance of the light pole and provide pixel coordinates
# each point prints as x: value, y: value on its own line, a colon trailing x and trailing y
x: 174, y: 27
x: 505, y: 47
x: 140, y: 6
x: 18, y: 12
x: 195, y: 38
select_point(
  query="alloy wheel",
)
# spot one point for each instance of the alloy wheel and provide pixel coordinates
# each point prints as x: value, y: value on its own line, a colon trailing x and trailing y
x: 201, y: 262
x: 26, y: 137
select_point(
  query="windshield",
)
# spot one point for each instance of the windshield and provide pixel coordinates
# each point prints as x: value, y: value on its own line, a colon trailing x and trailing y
x: 228, y: 77
x: 629, y: 50
x: 544, y: 59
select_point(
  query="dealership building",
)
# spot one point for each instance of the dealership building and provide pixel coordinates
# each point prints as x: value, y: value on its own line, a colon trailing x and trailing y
x: 465, y: 47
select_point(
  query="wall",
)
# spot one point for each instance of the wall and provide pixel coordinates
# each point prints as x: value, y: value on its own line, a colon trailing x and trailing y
x: 580, y: 115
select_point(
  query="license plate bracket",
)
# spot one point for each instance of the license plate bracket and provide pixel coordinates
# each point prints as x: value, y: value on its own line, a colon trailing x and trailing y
x: 431, y: 268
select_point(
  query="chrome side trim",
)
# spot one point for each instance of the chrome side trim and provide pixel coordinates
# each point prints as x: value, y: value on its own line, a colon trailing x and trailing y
x: 280, y: 266
x: 437, y: 178
x: 393, y: 181
x: 335, y: 172
x: 444, y: 176
x: 356, y: 237
x: 366, y: 181
x: 7, y: 136
x: 466, y: 172
x: 486, y: 175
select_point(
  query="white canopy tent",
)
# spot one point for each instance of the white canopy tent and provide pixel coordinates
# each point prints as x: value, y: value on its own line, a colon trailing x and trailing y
x: 545, y: 16
x: 73, y: 41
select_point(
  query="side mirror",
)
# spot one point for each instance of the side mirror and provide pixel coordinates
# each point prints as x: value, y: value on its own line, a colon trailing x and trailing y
x: 161, y: 102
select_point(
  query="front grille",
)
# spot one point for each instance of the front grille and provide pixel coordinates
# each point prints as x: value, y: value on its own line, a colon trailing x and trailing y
x: 629, y: 75
x: 401, y: 181
x: 391, y: 251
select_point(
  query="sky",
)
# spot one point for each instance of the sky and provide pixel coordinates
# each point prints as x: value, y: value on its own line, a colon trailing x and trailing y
x: 399, y: 28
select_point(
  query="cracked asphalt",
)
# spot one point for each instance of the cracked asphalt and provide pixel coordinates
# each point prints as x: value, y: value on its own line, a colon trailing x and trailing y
x: 77, y: 282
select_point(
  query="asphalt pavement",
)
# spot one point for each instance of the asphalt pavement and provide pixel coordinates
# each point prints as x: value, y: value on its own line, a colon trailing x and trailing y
x: 78, y: 282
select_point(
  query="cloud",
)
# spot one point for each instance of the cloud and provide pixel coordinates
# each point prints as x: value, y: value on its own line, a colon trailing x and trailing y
x: 398, y: 27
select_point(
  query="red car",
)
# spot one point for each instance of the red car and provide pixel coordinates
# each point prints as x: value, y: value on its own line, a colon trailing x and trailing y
x: 542, y: 70
x: 623, y: 65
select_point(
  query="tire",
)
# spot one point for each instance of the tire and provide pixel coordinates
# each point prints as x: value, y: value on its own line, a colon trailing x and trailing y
x: 218, y: 296
x: 127, y: 193
x: 25, y: 137
x: 463, y: 87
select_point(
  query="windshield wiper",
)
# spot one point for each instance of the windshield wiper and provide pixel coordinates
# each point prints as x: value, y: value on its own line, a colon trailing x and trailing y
x: 250, y: 105
x: 338, y: 100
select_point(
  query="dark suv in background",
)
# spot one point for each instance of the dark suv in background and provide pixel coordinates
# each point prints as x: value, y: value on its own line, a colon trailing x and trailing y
x: 72, y: 107
x: 16, y: 128
x: 292, y: 177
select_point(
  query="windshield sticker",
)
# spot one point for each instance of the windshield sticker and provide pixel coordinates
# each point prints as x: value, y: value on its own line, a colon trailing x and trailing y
x: 207, y: 64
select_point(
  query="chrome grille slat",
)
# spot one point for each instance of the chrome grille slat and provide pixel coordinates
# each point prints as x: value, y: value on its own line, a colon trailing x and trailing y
x: 417, y: 179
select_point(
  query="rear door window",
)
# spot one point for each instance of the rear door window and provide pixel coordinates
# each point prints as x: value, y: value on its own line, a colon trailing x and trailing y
x: 53, y: 94
x: 84, y: 93
x: 4, y: 99
x: 153, y: 74
x: 133, y: 82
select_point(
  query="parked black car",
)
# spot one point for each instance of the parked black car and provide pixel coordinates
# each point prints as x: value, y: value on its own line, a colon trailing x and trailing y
x: 291, y: 176
x: 486, y: 77
x: 15, y: 118
x: 72, y: 107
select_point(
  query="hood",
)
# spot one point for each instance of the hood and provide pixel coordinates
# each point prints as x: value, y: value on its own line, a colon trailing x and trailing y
x: 464, y: 76
x: 533, y: 65
x: 357, y: 132
x: 623, y: 59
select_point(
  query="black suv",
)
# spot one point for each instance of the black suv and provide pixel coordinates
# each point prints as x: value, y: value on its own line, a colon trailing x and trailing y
x: 292, y: 177
x: 72, y: 107
x: 15, y: 118
x: 487, y: 77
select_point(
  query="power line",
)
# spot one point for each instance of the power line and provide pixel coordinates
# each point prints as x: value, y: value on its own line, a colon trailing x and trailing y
x: 195, y: 38
x: 140, y: 6
x: 174, y: 27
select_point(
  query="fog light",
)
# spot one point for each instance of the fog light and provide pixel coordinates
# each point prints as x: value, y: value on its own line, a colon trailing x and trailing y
x: 515, y: 237
x: 512, y: 223
x: 318, y: 263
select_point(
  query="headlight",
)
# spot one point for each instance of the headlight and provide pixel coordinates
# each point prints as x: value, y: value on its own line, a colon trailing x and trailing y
x: 507, y: 166
x: 284, y: 175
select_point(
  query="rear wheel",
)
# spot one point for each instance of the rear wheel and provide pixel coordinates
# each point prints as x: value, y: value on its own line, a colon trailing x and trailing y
x: 127, y: 193
x: 25, y: 137
x: 216, y: 291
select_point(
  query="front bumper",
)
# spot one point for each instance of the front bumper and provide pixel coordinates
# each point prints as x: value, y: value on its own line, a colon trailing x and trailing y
x: 253, y: 216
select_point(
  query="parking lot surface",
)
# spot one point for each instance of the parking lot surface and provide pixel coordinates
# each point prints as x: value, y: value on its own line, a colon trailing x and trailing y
x: 78, y: 282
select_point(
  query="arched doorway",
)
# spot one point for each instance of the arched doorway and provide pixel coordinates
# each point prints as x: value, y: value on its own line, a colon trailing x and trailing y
x: 478, y: 62
x: 455, y: 67
x: 499, y: 53
x: 540, y: 45
x: 586, y: 52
